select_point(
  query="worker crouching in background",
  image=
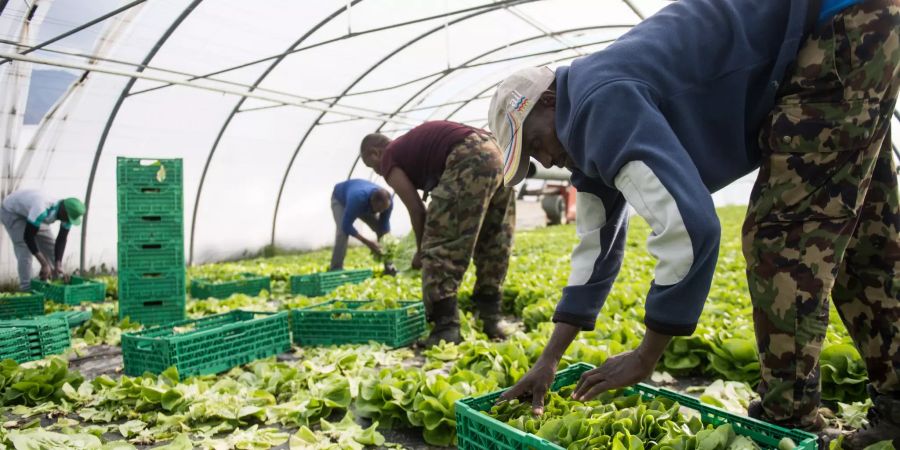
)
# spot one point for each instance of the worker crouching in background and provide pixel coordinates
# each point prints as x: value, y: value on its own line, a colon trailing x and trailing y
x: 26, y: 215
x: 360, y: 199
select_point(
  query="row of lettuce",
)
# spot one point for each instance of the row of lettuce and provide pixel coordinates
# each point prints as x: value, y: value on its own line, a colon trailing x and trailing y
x: 268, y: 402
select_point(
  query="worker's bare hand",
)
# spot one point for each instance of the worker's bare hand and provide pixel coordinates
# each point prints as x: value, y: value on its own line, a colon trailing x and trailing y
x: 417, y: 261
x: 46, y: 272
x: 59, y: 274
x: 534, y: 384
x: 624, y: 369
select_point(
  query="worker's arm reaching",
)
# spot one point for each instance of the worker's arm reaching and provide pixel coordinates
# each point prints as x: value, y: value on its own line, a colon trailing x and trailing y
x: 59, y: 249
x: 384, y: 221
x: 30, y: 237
x: 356, y: 204
x: 404, y: 188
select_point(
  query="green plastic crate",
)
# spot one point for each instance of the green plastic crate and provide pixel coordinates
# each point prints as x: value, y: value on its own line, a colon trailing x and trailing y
x: 250, y: 284
x: 72, y: 318
x: 143, y: 285
x: 156, y: 311
x: 148, y: 172
x: 14, y: 345
x: 78, y: 290
x: 19, y: 305
x: 323, y: 325
x: 152, y: 227
x: 150, y: 256
x: 149, y: 200
x: 478, y: 431
x: 44, y: 336
x: 209, y: 345
x: 318, y: 284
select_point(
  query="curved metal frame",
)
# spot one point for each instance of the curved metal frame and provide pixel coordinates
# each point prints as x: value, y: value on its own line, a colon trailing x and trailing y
x: 354, y: 83
x: 126, y: 92
x: 77, y: 29
x: 330, y: 41
x: 237, y: 107
x: 482, y: 55
x: 115, y: 111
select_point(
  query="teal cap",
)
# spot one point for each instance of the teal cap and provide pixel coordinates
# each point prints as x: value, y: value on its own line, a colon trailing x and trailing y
x: 74, y: 209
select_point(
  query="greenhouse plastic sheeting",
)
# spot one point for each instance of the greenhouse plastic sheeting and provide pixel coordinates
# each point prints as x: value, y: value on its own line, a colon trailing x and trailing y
x: 266, y: 102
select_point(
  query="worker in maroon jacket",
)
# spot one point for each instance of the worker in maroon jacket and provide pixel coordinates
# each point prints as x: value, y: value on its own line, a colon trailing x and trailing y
x: 470, y: 213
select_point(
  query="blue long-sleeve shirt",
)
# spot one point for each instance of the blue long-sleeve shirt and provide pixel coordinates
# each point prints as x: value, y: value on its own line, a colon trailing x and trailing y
x: 354, y: 195
x: 660, y: 119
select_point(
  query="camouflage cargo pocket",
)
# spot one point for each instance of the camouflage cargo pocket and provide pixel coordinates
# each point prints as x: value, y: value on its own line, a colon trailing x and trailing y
x: 818, y: 158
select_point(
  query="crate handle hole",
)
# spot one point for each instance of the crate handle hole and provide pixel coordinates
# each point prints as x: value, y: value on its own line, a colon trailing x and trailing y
x: 151, y: 218
x: 151, y: 246
x: 153, y: 303
x: 151, y: 190
x: 151, y: 275
x: 144, y: 346
x: 149, y: 162
x: 235, y: 335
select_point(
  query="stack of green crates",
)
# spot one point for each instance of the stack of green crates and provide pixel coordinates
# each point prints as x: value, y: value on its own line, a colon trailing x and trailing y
x: 151, y: 240
x: 43, y: 336
x: 14, y: 344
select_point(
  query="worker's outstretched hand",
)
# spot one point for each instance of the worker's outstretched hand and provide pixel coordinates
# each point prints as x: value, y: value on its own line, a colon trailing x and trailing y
x: 417, y: 261
x: 535, y: 385
x: 622, y: 370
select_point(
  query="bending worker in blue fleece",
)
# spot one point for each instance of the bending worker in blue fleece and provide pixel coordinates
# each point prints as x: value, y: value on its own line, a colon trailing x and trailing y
x: 360, y: 199
x: 688, y: 101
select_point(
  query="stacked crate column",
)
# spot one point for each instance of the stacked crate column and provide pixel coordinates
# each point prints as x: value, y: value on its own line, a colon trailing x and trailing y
x: 151, y: 240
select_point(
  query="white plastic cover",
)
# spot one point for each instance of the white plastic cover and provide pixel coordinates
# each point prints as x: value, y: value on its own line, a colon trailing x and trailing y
x: 316, y: 77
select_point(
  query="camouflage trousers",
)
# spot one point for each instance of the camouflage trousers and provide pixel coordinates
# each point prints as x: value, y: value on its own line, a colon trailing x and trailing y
x: 824, y: 214
x: 470, y: 213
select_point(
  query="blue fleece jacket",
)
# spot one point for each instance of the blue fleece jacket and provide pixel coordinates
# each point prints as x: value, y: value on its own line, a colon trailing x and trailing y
x: 664, y: 116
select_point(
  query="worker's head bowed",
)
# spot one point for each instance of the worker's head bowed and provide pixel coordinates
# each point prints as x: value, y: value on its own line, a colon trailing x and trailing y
x: 371, y: 149
x: 522, y: 118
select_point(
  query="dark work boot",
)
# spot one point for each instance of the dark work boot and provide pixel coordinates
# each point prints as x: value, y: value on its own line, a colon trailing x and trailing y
x: 489, y: 312
x: 825, y: 432
x: 445, y: 317
x: 884, y: 423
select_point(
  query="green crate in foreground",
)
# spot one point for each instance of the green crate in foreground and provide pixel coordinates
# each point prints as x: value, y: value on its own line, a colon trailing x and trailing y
x: 19, y: 305
x: 249, y: 283
x: 14, y: 345
x: 44, y: 336
x: 76, y: 291
x: 478, y: 431
x: 338, y: 322
x: 208, y: 345
x: 318, y: 284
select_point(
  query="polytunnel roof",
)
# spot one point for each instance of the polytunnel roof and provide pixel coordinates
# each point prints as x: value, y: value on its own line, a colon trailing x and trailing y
x: 265, y: 101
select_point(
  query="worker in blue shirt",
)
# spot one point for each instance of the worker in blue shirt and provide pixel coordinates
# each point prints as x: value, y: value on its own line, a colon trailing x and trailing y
x: 360, y: 199
x: 691, y: 99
